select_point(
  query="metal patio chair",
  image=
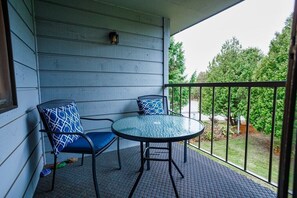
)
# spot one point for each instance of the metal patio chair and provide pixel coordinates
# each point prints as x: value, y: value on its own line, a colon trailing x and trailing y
x: 62, y: 124
x: 141, y: 100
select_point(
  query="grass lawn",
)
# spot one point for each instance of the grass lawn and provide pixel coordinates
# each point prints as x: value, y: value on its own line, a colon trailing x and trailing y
x: 257, y: 156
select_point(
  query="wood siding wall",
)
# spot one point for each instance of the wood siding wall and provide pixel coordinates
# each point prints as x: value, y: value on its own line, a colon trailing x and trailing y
x: 20, y: 142
x: 77, y: 61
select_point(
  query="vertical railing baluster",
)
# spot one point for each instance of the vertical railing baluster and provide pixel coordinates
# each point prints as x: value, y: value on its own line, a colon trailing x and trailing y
x: 180, y: 99
x: 247, y: 128
x: 200, y: 101
x: 228, y: 123
x: 248, y: 88
x: 172, y: 98
x: 272, y: 133
x: 190, y: 102
x: 189, y: 96
x: 212, y: 120
x: 200, y: 109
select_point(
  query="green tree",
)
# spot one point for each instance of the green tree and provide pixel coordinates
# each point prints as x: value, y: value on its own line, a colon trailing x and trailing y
x: 176, y: 74
x: 201, y: 78
x: 272, y: 68
x: 232, y: 64
x: 195, y: 92
x: 193, y: 78
x: 235, y: 64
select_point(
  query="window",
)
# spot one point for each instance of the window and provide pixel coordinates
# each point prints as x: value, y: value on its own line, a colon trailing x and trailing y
x: 7, y: 82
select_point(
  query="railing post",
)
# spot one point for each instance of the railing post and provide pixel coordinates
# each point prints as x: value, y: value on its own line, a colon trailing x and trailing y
x: 295, y: 170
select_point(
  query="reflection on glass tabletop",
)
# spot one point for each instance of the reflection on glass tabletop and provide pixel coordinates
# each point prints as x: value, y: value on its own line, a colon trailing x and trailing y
x: 157, y: 128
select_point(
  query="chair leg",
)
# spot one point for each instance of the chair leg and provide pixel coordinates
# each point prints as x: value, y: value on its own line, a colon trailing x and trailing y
x: 118, y: 151
x: 82, y: 159
x: 54, y: 173
x: 185, y: 151
x: 147, y: 155
x: 95, y: 175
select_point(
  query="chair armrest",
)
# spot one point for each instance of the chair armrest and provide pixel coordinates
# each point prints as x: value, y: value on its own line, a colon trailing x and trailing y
x: 97, y: 119
x: 140, y: 112
x: 90, y: 142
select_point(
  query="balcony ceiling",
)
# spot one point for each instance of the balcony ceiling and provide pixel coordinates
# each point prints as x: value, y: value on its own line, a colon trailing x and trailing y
x: 182, y: 13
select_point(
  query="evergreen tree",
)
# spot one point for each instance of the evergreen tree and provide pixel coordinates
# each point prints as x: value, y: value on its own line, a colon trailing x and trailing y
x: 176, y: 74
x: 272, y: 68
x: 232, y: 64
x: 193, y: 78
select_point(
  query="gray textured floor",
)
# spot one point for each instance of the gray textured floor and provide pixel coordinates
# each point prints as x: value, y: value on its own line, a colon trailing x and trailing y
x: 203, y: 178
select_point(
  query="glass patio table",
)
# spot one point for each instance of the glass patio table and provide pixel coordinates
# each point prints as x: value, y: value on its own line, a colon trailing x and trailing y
x: 157, y: 128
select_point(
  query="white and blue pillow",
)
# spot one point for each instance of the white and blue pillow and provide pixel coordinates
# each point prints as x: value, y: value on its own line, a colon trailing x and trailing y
x: 63, y: 119
x: 151, y: 106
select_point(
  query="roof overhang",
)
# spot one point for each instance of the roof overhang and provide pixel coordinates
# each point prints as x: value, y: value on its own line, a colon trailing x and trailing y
x: 182, y: 13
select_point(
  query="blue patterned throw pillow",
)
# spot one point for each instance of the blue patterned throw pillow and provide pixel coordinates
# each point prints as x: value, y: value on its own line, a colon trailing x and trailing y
x: 63, y: 119
x: 151, y: 106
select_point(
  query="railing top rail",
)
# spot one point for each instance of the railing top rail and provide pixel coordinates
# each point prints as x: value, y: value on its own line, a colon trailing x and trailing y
x: 231, y: 84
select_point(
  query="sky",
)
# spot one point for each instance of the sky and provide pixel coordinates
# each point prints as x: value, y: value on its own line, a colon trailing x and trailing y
x: 253, y: 22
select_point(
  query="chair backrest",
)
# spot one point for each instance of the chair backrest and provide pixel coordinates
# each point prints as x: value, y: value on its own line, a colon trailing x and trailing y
x: 163, y: 98
x: 51, y: 104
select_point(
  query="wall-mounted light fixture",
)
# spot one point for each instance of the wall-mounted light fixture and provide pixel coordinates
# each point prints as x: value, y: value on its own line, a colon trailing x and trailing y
x: 114, y: 38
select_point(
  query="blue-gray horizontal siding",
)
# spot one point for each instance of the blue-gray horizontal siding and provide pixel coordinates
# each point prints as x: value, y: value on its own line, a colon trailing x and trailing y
x: 77, y: 61
x: 94, y: 35
x: 20, y: 142
x: 86, y: 49
x: 54, y: 62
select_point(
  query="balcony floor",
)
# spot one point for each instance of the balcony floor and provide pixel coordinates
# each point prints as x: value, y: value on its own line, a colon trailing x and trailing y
x: 203, y: 178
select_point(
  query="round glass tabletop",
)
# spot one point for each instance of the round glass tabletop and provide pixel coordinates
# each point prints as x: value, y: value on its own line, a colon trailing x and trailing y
x: 157, y: 128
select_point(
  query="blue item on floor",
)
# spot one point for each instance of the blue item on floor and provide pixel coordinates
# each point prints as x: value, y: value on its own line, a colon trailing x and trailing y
x: 45, y: 172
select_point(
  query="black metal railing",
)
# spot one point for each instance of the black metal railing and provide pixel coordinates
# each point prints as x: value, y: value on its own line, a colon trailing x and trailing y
x: 173, y: 89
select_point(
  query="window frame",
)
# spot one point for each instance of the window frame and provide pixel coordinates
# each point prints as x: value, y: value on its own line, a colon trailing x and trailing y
x: 11, y: 93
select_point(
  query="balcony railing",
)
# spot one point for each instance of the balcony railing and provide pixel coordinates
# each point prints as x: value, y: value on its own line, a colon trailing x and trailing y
x: 199, y: 91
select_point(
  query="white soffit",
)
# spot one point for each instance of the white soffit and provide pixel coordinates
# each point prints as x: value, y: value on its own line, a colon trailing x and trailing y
x: 182, y: 13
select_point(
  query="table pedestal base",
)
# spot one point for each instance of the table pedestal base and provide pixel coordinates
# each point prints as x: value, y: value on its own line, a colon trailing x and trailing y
x: 145, y: 157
